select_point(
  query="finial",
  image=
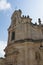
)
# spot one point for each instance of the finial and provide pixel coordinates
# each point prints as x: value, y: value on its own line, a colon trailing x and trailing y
x: 20, y: 11
x: 35, y: 23
x: 23, y: 15
x: 28, y: 16
x: 39, y: 20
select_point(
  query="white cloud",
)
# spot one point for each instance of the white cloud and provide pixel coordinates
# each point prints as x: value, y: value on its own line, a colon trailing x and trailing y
x: 2, y: 47
x: 4, y: 5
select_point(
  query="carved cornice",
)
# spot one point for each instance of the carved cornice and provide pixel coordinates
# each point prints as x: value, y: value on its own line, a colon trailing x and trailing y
x: 26, y: 40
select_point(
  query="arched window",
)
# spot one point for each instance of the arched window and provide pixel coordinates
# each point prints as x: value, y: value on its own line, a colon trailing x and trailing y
x: 13, y: 36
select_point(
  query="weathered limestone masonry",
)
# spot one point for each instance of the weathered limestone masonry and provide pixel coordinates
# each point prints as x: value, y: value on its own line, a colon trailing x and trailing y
x: 25, y: 41
x: 2, y: 61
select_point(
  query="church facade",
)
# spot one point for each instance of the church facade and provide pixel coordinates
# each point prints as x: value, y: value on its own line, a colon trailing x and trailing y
x: 25, y: 41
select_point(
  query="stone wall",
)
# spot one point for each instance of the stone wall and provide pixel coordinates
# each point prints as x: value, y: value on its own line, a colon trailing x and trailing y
x: 2, y: 61
x: 27, y: 53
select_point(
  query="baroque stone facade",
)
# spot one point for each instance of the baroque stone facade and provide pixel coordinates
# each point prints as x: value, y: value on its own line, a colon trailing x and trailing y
x: 25, y: 41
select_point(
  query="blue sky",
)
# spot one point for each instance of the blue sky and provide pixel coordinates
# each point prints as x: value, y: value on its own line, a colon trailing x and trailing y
x: 33, y: 8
